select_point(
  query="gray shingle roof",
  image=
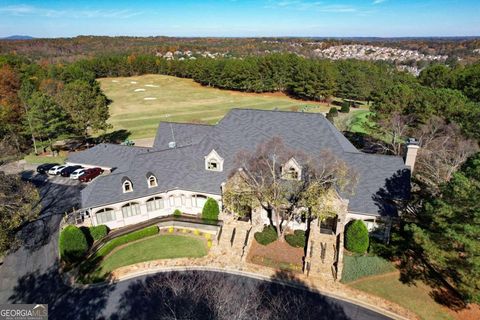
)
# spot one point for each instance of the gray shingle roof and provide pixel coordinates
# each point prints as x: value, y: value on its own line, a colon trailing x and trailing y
x: 183, y: 167
x: 184, y: 133
x: 114, y: 156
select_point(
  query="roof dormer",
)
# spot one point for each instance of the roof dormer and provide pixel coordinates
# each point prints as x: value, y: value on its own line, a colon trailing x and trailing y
x: 151, y: 180
x: 127, y: 185
x: 213, y: 161
x: 291, y: 170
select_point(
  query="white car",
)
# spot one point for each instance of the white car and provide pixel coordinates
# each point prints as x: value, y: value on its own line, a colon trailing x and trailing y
x: 77, y: 173
x: 56, y: 170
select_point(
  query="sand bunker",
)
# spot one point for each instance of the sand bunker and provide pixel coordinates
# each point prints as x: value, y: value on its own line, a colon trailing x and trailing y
x: 149, y: 98
x: 133, y: 82
x: 139, y: 90
x: 151, y: 86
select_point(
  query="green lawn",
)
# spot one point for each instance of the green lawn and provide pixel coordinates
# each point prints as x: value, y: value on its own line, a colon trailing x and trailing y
x: 33, y: 159
x: 165, y: 98
x: 157, y: 247
x: 414, y: 297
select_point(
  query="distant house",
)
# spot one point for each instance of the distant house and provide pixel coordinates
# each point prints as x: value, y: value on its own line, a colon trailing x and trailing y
x: 190, y: 162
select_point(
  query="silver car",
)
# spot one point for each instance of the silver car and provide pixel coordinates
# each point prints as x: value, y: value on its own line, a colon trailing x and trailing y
x: 77, y: 173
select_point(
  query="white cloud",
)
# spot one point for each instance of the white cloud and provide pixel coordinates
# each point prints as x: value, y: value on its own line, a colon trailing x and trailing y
x: 307, y: 5
x: 378, y: 1
x: 27, y: 10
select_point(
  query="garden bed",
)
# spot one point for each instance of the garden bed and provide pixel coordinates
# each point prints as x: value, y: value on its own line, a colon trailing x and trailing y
x: 278, y: 255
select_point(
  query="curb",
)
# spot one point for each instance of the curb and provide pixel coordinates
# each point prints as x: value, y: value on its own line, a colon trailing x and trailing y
x: 252, y: 275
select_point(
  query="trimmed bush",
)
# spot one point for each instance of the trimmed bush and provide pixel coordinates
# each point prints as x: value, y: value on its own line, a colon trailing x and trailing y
x: 345, y: 107
x: 136, y: 235
x: 210, y: 210
x: 356, y: 237
x: 357, y: 267
x: 297, y: 239
x: 98, y: 232
x: 72, y: 244
x: 333, y: 112
x: 177, y: 213
x: 266, y: 236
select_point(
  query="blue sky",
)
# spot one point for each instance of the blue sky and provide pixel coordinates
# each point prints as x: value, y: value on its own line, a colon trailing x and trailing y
x: 387, y: 18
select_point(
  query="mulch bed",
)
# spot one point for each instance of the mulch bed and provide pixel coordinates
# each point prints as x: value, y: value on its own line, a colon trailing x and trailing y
x: 276, y: 254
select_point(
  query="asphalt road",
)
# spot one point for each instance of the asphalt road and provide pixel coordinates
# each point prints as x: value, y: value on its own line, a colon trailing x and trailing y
x: 29, y: 275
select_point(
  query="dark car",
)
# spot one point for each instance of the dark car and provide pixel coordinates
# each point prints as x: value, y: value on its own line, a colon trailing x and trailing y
x: 90, y: 174
x: 68, y: 170
x: 43, y: 168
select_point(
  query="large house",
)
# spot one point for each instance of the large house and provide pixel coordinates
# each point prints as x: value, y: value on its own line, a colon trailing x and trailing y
x: 190, y: 162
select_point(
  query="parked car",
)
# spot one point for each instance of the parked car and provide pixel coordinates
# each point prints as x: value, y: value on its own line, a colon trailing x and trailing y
x: 43, y: 168
x: 66, y: 172
x: 56, y: 169
x: 90, y: 174
x: 77, y: 173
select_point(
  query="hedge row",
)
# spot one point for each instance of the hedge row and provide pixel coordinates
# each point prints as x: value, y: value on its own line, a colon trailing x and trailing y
x: 133, y: 236
x: 355, y: 267
x: 266, y: 236
x: 297, y: 239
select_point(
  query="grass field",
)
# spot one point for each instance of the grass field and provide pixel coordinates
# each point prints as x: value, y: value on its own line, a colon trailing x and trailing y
x: 140, y: 103
x: 158, y: 247
x: 413, y: 297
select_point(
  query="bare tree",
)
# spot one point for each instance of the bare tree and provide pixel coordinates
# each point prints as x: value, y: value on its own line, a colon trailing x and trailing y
x: 443, y: 151
x: 264, y: 180
x: 393, y: 131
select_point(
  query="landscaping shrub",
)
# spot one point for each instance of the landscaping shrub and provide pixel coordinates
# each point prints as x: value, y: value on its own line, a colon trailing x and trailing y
x: 355, y: 267
x: 177, y: 213
x: 333, y: 112
x: 345, y: 107
x: 210, y: 210
x: 297, y: 239
x: 266, y: 236
x: 356, y: 237
x: 72, y: 244
x: 136, y: 235
x: 98, y: 232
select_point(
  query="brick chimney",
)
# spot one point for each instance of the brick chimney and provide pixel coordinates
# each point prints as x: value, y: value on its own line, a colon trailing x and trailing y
x: 411, y: 156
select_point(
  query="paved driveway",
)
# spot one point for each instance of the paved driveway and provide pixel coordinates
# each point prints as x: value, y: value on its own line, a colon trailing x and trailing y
x: 29, y: 275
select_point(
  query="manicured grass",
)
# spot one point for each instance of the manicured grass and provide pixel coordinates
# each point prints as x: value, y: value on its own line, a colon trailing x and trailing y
x: 33, y: 159
x: 158, y: 247
x: 356, y: 267
x: 181, y: 100
x: 359, y: 121
x: 413, y: 297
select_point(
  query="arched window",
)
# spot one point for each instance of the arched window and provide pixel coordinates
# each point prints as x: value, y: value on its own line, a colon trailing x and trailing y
x: 155, y: 203
x: 291, y: 170
x: 127, y: 186
x: 200, y: 200
x: 105, y: 215
x: 152, y: 181
x: 130, y: 209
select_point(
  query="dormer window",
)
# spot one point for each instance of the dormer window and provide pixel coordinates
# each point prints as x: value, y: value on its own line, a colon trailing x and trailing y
x: 127, y: 186
x: 152, y: 181
x: 213, y: 162
x: 292, y: 170
x: 292, y: 174
x: 212, y: 165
